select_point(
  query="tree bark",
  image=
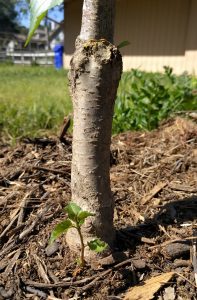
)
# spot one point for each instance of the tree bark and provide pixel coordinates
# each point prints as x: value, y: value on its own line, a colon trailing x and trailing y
x: 98, y: 20
x: 95, y: 72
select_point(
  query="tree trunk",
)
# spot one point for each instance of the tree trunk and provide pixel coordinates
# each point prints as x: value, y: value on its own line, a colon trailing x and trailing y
x: 95, y: 72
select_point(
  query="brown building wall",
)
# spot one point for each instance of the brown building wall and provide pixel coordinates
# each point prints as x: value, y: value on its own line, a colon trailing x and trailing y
x: 160, y: 33
x: 72, y: 23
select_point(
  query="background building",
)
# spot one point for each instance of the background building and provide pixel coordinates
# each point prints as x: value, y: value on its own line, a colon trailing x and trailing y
x: 160, y: 33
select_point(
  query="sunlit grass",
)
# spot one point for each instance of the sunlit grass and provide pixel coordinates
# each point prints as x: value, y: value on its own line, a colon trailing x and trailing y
x: 33, y: 100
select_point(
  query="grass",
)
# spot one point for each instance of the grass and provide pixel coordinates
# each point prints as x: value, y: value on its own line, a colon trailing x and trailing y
x: 33, y: 100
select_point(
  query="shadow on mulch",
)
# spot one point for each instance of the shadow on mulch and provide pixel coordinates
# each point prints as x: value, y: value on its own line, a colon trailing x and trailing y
x: 180, y: 213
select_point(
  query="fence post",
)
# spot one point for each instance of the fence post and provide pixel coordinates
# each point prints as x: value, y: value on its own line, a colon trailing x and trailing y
x: 22, y: 58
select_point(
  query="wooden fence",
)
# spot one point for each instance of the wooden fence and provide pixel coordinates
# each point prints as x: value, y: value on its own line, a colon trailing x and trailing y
x: 28, y: 58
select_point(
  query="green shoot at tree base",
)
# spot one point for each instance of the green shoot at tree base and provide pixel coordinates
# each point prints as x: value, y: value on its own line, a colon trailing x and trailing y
x: 76, y: 218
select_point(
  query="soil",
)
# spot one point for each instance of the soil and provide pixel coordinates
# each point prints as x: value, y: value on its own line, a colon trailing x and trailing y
x: 154, y: 182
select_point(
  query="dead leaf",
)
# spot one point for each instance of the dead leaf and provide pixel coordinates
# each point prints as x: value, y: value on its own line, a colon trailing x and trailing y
x: 147, y: 289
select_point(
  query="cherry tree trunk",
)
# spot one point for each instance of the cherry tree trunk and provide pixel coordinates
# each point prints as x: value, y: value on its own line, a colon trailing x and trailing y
x: 96, y: 69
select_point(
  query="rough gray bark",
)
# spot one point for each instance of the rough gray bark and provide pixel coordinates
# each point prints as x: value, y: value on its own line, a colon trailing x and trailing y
x: 98, y: 20
x: 96, y: 69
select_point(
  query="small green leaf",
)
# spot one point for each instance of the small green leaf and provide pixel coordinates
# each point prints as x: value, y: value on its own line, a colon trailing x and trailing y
x: 73, y: 210
x: 82, y: 215
x: 123, y: 44
x: 38, y: 10
x: 59, y: 229
x: 97, y: 245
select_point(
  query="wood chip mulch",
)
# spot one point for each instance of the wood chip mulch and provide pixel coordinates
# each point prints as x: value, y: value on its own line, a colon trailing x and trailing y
x: 154, y: 182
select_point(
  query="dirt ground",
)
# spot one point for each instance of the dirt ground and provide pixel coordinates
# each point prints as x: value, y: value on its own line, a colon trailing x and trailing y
x: 154, y: 182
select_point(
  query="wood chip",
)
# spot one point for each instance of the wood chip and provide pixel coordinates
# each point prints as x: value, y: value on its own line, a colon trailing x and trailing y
x: 6, y: 294
x: 23, y: 206
x: 8, y: 197
x: 154, y: 191
x: 36, y: 292
x: 9, y: 226
x: 176, y: 250
x: 147, y: 241
x: 53, y: 298
x: 12, y: 263
x: 42, y: 269
x: 169, y: 293
x: 139, y: 264
x: 194, y: 260
x: 183, y: 188
x: 52, y: 248
x: 35, y: 221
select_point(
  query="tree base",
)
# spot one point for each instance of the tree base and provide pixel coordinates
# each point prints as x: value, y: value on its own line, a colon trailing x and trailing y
x: 96, y: 69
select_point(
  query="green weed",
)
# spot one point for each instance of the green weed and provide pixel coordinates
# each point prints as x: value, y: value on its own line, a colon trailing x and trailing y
x: 144, y: 99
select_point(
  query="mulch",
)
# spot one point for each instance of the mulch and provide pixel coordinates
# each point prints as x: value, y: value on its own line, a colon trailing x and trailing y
x: 154, y: 183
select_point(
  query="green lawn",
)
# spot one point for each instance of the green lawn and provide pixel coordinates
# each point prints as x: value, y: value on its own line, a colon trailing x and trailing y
x: 33, y: 100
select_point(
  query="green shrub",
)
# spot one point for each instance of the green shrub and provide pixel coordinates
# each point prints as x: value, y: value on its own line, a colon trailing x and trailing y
x: 144, y: 99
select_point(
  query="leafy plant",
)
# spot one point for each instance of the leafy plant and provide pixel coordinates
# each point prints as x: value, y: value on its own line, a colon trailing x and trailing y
x: 144, y: 99
x: 76, y: 218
